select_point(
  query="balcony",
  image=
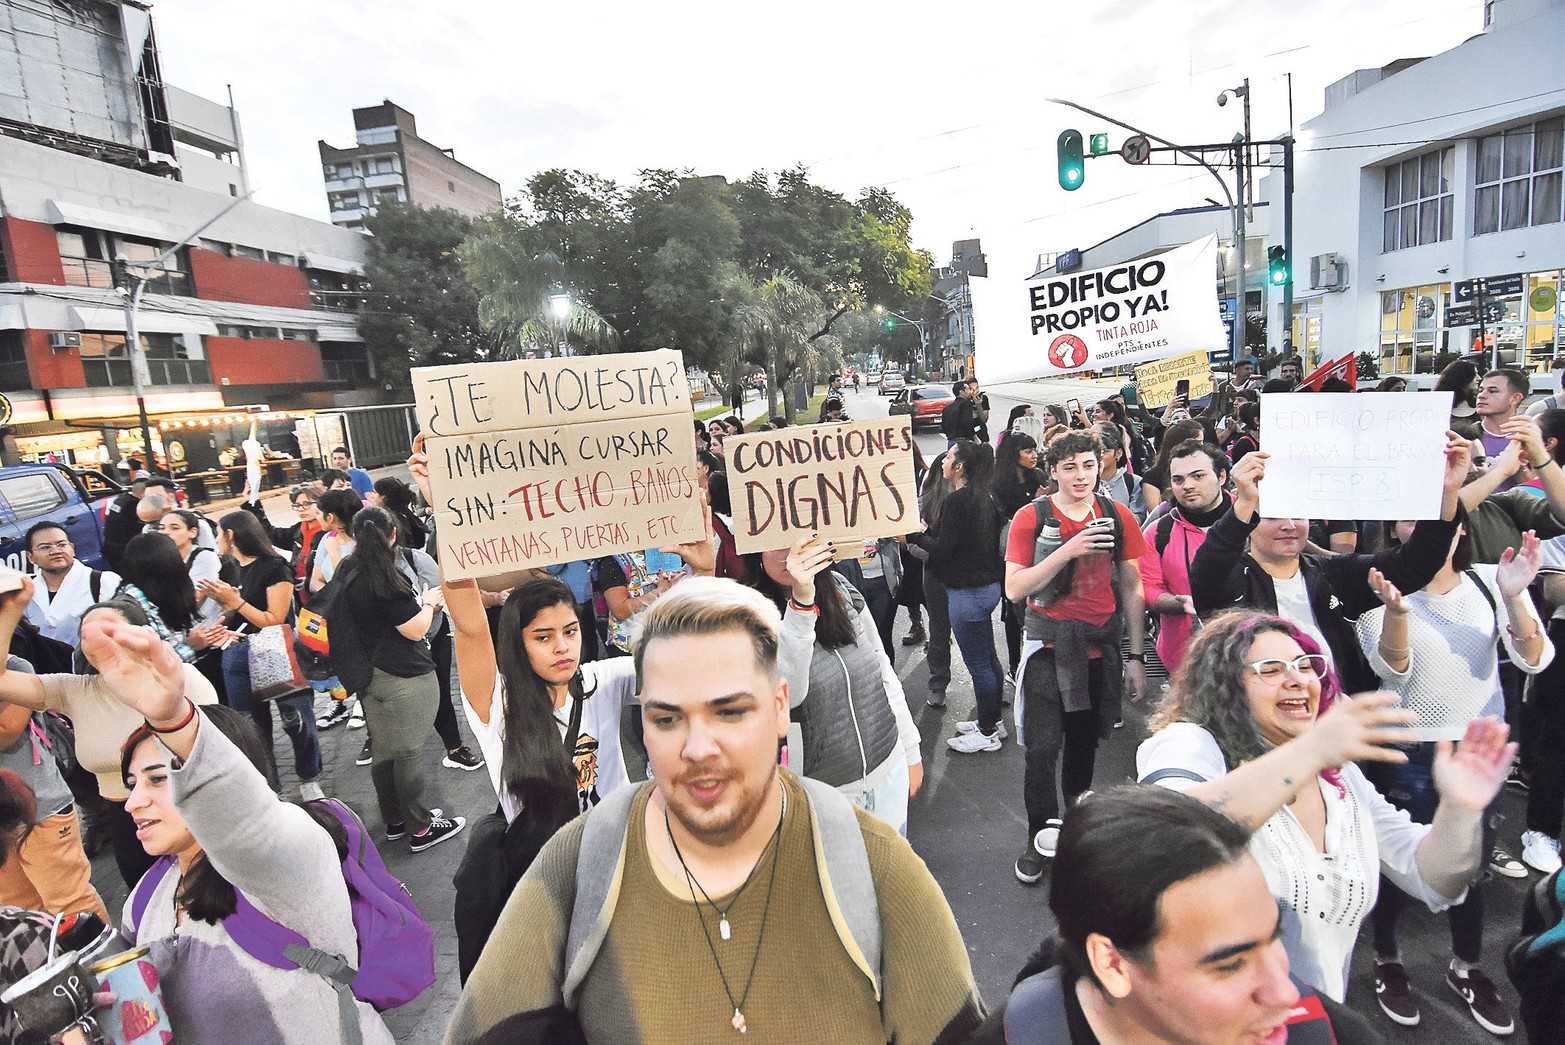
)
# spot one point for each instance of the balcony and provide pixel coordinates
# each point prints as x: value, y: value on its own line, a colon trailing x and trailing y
x: 338, y: 300
x: 348, y: 371
x: 336, y: 183
x: 115, y: 373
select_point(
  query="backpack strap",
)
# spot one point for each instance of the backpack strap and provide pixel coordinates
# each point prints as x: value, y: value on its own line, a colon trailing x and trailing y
x: 95, y: 584
x: 847, y: 884
x: 597, y: 886
x: 1488, y: 595
x: 1164, y: 532
x: 141, y: 896
x: 1171, y: 773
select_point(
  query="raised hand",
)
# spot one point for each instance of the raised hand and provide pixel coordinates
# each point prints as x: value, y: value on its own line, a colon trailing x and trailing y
x: 418, y: 467
x: 1472, y: 774
x: 1509, y: 462
x: 1523, y: 431
x: 808, y: 557
x: 700, y: 555
x: 1249, y: 472
x: 1458, y: 460
x: 139, y: 668
x: 1518, y: 568
x: 13, y: 604
x: 1386, y: 592
x: 1361, y: 729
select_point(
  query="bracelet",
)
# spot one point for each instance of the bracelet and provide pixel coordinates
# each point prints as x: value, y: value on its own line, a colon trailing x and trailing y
x: 1400, y: 651
x: 1520, y: 638
x: 803, y: 607
x: 189, y: 718
x: 1546, y: 462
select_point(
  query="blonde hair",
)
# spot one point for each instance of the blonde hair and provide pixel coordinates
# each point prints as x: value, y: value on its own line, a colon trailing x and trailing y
x: 1032, y: 426
x: 710, y: 606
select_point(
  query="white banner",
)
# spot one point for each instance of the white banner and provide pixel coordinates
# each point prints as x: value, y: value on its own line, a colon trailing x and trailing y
x: 1354, y: 455
x: 1157, y: 307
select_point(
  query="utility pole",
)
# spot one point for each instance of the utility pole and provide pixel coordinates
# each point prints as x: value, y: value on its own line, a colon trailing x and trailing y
x: 1287, y: 240
x: 130, y: 281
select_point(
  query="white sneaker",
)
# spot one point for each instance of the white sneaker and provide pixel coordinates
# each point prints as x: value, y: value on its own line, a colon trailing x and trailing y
x: 1540, y: 852
x: 1047, y: 840
x: 971, y: 726
x: 973, y: 743
x: 310, y: 791
x: 356, y: 720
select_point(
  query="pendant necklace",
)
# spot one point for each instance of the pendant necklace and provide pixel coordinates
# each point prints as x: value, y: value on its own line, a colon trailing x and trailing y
x: 738, y: 1021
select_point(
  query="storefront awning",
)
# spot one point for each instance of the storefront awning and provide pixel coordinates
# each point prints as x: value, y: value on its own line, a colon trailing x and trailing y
x: 327, y: 263
x: 63, y: 213
x: 113, y: 320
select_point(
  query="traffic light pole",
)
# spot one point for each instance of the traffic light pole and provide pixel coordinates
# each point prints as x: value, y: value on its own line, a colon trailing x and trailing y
x: 1241, y: 233
x: 1287, y: 240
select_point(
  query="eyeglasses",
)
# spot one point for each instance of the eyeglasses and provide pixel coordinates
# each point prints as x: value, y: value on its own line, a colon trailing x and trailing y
x: 52, y: 546
x: 1308, y: 666
x: 304, y: 502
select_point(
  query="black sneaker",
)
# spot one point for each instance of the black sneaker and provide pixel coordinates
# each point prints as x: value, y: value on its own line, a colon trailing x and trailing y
x: 400, y: 830
x: 440, y: 828
x: 365, y: 755
x: 1395, y: 994
x: 916, y: 637
x: 1029, y: 866
x: 335, y: 715
x: 462, y: 758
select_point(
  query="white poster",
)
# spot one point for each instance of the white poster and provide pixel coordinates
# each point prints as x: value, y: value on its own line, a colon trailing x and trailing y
x: 1354, y: 455
x: 1153, y: 308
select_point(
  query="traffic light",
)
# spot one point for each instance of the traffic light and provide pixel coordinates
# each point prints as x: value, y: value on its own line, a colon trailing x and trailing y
x: 889, y: 323
x: 1072, y: 168
x: 1100, y: 144
x: 1277, y: 266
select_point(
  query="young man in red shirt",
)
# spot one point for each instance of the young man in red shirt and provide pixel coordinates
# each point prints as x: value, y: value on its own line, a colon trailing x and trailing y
x: 1073, y: 557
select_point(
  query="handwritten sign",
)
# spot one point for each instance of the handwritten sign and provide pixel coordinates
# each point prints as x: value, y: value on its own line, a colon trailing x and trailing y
x: 538, y: 462
x: 846, y: 482
x: 1157, y: 380
x: 1354, y: 455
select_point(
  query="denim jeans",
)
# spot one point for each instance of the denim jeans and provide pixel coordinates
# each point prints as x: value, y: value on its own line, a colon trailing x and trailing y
x: 972, y: 623
x: 1410, y: 786
x: 297, y: 711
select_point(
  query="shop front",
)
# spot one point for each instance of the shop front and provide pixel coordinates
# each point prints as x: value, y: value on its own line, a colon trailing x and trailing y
x: 1514, y: 320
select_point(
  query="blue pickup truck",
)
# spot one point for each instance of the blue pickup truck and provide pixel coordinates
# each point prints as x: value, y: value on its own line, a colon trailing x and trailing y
x: 75, y: 498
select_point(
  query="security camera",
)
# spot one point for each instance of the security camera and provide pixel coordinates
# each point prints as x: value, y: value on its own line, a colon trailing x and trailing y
x: 1222, y: 99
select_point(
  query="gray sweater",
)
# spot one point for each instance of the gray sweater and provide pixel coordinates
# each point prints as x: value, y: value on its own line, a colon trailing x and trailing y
x: 287, y: 866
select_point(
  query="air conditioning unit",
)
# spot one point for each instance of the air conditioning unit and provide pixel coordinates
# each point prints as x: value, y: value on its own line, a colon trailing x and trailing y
x: 1328, y: 272
x: 60, y: 340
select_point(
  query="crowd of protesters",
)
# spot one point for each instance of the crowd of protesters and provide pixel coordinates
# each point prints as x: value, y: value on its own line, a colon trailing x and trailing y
x: 1344, y: 706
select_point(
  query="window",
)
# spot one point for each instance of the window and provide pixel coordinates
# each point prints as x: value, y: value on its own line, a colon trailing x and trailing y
x: 450, y: 186
x: 344, y: 201
x: 1517, y: 182
x: 1419, y: 201
x: 297, y: 334
x: 383, y: 165
x: 30, y: 496
x: 105, y: 363
x: 253, y: 253
x: 277, y: 258
x: 216, y: 246
x: 229, y: 330
x: 14, y: 376
x: 387, y: 196
x: 346, y: 363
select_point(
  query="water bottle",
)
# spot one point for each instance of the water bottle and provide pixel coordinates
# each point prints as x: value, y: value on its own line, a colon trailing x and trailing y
x: 1049, y: 541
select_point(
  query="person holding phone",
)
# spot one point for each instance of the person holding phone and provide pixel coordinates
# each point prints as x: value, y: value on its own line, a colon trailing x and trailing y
x: 630, y: 582
x: 1256, y: 725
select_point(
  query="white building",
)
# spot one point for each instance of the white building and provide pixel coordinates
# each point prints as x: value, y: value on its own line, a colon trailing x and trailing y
x: 1427, y: 173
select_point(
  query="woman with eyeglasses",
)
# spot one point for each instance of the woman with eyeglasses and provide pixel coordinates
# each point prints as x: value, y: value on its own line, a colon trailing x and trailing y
x: 300, y: 538
x: 1437, y: 650
x: 1256, y: 726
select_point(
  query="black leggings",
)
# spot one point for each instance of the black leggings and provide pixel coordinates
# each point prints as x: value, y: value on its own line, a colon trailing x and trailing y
x: 1050, y: 729
x: 440, y: 649
x: 1544, y: 728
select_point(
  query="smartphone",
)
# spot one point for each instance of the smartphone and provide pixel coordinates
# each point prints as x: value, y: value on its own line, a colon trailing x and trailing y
x: 663, y: 562
x: 1182, y: 390
x: 1073, y: 407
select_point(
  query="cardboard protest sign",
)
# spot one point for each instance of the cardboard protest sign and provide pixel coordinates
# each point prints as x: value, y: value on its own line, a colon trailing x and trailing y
x: 1157, y: 380
x: 1354, y: 455
x: 538, y: 462
x: 846, y: 482
x: 1152, y: 308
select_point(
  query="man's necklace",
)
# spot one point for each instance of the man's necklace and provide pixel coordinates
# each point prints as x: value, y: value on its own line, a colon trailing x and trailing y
x: 738, y: 1022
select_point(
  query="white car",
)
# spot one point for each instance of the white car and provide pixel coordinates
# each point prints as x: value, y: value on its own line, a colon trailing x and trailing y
x: 872, y: 378
x: 891, y: 381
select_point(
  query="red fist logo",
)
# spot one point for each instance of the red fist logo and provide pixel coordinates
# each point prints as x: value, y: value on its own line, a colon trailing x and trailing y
x: 1068, y: 352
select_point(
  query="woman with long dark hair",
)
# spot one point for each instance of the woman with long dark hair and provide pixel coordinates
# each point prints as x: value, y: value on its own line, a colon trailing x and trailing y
x: 1256, y: 725
x: 1461, y: 377
x: 263, y: 598
x: 548, y: 726
x: 199, y: 796
x: 396, y: 497
x: 337, y: 509
x: 1017, y: 482
x: 389, y: 619
x: 964, y: 553
x: 152, y: 573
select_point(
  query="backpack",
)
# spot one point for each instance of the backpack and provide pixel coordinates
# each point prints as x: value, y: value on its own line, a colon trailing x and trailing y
x: 1044, y: 515
x: 95, y: 585
x: 396, y: 959
x: 1536, y: 961
x: 319, y: 657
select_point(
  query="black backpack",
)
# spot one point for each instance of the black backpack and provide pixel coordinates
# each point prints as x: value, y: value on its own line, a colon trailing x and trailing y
x: 326, y: 638
x: 1536, y: 961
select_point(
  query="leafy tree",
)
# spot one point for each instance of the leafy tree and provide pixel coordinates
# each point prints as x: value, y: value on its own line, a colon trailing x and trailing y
x: 422, y: 311
x: 773, y: 319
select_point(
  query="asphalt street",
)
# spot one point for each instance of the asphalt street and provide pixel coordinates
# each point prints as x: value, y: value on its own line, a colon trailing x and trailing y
x: 968, y: 823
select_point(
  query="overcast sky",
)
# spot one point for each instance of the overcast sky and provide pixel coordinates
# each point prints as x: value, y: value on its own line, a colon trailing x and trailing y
x: 944, y: 104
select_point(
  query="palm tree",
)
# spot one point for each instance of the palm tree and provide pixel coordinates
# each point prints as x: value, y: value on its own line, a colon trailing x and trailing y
x: 773, y: 320
x: 520, y: 293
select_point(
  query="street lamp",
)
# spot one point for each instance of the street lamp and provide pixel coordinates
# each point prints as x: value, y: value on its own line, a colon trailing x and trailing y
x: 560, y: 308
x: 1243, y: 210
x: 130, y: 281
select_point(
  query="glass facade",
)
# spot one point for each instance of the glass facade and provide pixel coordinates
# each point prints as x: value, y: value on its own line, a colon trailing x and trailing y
x: 1527, y: 329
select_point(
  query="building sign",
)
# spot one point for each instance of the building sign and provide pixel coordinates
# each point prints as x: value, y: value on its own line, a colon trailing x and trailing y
x: 1151, y: 308
x: 847, y: 482
x: 538, y: 462
x: 1467, y: 290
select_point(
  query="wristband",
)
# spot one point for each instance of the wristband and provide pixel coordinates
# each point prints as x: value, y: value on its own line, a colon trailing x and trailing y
x: 802, y: 607
x: 190, y: 717
x: 1520, y: 638
x: 1546, y: 462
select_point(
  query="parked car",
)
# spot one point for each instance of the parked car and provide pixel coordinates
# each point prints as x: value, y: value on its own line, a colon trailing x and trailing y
x: 75, y: 499
x: 892, y: 381
x: 923, y: 402
x: 872, y: 378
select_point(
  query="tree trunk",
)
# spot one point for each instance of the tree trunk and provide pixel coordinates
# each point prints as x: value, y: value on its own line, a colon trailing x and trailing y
x: 774, y: 382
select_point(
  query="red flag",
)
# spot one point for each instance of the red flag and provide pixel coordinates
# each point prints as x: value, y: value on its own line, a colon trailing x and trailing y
x: 1345, y: 368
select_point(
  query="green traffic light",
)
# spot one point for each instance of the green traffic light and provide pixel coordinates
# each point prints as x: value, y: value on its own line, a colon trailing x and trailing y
x: 889, y: 323
x: 1277, y: 266
x: 1072, y: 168
x: 1100, y: 144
